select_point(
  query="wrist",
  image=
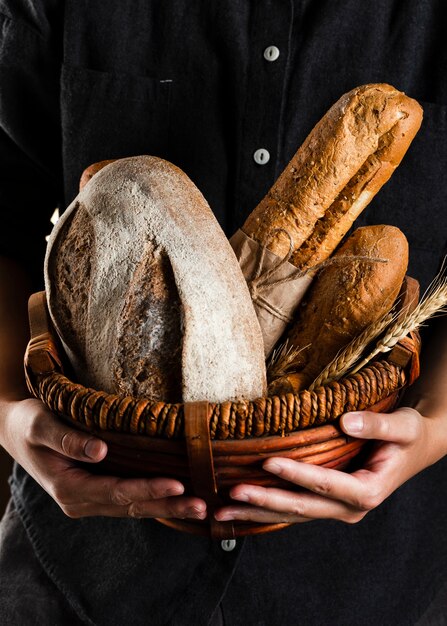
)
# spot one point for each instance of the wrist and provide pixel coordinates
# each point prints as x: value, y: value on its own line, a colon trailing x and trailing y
x: 434, y: 419
x: 8, y: 404
x: 426, y: 403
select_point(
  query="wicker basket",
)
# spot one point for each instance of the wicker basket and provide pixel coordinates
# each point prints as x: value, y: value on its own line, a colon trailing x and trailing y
x: 211, y: 447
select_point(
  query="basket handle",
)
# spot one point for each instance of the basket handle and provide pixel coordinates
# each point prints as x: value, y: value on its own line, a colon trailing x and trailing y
x: 41, y: 356
x: 200, y: 458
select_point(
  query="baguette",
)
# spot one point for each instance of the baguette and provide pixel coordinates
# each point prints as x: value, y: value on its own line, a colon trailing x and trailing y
x: 146, y: 293
x: 342, y: 164
x: 344, y: 300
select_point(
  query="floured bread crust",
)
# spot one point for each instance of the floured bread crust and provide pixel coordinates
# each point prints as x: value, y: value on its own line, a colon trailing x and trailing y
x: 159, y: 307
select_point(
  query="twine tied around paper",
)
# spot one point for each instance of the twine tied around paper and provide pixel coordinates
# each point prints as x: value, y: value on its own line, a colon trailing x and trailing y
x: 263, y: 282
x: 260, y: 282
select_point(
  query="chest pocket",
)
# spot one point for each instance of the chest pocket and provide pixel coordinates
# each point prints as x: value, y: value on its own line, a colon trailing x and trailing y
x: 415, y: 198
x: 111, y: 115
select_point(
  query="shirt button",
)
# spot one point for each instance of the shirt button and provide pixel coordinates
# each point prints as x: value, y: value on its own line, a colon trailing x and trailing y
x: 261, y: 156
x: 228, y: 544
x: 271, y: 53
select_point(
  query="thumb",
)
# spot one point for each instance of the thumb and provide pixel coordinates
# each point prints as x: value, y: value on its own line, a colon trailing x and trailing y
x: 48, y: 431
x: 401, y: 426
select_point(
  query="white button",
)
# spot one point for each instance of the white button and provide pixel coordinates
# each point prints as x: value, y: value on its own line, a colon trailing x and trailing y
x: 228, y: 544
x: 271, y: 53
x: 261, y: 156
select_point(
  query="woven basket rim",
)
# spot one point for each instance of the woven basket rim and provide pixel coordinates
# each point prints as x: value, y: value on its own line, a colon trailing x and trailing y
x: 265, y: 416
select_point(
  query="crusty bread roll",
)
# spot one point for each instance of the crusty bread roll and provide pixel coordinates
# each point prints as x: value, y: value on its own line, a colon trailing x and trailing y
x: 146, y: 293
x: 344, y: 300
x: 342, y: 164
x: 91, y: 170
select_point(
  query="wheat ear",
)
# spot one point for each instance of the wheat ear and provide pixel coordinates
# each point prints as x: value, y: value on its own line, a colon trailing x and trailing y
x: 281, y: 360
x: 341, y: 363
x: 434, y: 302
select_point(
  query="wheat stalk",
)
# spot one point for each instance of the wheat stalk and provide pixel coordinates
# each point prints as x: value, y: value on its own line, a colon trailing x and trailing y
x: 341, y: 363
x: 434, y: 302
x: 282, y: 359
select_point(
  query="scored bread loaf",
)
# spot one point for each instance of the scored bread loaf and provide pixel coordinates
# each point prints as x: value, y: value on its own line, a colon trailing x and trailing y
x: 344, y: 300
x: 346, y: 158
x: 145, y: 292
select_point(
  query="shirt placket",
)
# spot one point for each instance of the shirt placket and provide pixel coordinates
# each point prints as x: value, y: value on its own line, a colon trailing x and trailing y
x: 262, y: 121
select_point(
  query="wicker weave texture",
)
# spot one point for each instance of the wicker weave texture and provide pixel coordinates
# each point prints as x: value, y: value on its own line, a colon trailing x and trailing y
x: 276, y: 415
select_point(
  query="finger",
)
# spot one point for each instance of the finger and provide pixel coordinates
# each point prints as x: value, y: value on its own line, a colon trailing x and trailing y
x: 352, y: 489
x: 173, y: 507
x: 255, y: 514
x: 270, y: 504
x: 403, y: 426
x: 111, y: 490
x: 48, y: 431
x: 81, y: 494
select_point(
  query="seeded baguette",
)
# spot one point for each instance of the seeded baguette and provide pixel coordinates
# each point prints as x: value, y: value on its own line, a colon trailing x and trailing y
x: 342, y: 164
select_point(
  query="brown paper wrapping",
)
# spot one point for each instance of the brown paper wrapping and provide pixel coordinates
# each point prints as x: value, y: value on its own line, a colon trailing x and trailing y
x: 274, y: 303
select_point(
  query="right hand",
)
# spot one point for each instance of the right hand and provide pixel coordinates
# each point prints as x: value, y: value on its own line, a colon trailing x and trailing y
x: 49, y: 450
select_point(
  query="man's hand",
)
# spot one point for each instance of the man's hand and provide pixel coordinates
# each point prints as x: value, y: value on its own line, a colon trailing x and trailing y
x: 407, y: 443
x: 49, y: 451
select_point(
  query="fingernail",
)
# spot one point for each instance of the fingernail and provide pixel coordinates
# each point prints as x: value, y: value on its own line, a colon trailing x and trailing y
x: 223, y: 517
x: 241, y: 496
x: 353, y: 423
x: 195, y: 513
x: 273, y: 467
x: 174, y: 491
x: 93, y: 448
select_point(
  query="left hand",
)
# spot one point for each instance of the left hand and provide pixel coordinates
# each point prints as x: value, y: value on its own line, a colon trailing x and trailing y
x: 406, y: 443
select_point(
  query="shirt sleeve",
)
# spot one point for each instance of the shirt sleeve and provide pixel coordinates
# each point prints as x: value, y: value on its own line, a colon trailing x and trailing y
x: 30, y: 142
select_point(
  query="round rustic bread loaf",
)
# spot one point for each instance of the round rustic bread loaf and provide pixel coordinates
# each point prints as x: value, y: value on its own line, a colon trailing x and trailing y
x: 146, y: 293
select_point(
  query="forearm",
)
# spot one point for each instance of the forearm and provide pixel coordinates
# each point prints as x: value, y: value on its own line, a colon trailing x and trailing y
x: 428, y: 394
x: 14, y: 333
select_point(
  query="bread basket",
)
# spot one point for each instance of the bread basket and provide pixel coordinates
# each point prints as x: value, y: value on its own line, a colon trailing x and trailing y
x: 211, y: 447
